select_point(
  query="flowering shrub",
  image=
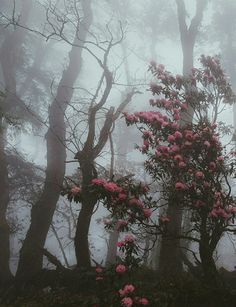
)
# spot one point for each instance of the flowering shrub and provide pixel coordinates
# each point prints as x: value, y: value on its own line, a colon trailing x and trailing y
x: 125, y: 199
x: 128, y: 204
x: 188, y: 158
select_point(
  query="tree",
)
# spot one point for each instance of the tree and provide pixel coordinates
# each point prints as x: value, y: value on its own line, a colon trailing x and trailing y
x: 31, y: 254
x: 188, y: 159
x: 170, y: 254
x: 86, y: 158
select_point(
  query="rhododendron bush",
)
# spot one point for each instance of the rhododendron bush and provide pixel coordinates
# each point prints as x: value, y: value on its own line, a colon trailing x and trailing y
x: 128, y: 204
x: 190, y: 165
x: 188, y: 159
x: 126, y: 200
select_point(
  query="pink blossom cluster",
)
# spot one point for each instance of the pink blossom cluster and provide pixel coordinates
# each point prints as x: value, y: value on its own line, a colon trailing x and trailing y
x: 220, y: 209
x: 128, y: 238
x: 108, y: 185
x: 128, y: 300
x: 219, y: 212
x: 127, y: 289
x: 120, y: 268
x: 99, y: 272
x: 75, y: 190
x: 124, y: 197
x: 136, y: 201
x: 148, y: 116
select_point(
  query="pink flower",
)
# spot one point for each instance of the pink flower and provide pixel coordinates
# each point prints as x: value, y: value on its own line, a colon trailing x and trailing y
x: 216, y: 212
x: 128, y: 288
x: 98, y: 269
x: 182, y: 164
x: 206, y: 184
x: 178, y: 135
x: 188, y: 134
x: 176, y: 111
x: 120, y: 243
x: 175, y: 125
x: 122, y: 222
x: 112, y: 187
x: 143, y: 301
x: 147, y: 212
x: 158, y: 153
x: 231, y: 210
x: 178, y: 158
x: 147, y: 133
x: 180, y: 186
x: 171, y: 138
x: 120, y: 268
x: 207, y: 144
x: 75, y: 190
x: 176, y: 117
x: 136, y: 201
x: 212, y: 165
x: 129, y: 238
x: 167, y: 104
x: 199, y: 174
x: 164, y: 124
x: 98, y: 181
x: 122, y: 196
x: 127, y: 301
x: 217, y: 195
x: 187, y: 143
x: 174, y: 148
x: 131, y: 118
x: 220, y: 158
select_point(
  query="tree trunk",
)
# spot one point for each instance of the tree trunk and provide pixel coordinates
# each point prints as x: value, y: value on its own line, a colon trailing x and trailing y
x: 31, y: 255
x: 170, y: 264
x: 170, y: 255
x: 5, y: 273
x: 87, y: 205
x: 211, y: 275
x: 81, y: 236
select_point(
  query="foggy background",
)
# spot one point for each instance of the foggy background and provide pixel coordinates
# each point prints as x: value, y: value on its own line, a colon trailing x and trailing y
x: 36, y: 38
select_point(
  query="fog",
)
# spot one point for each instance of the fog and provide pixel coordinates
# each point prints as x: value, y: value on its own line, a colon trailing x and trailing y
x: 68, y: 72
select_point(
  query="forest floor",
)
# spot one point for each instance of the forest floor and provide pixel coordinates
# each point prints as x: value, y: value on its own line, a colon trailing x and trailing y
x: 80, y: 289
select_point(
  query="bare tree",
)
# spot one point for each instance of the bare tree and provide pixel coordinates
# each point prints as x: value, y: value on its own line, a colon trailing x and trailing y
x: 31, y: 255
